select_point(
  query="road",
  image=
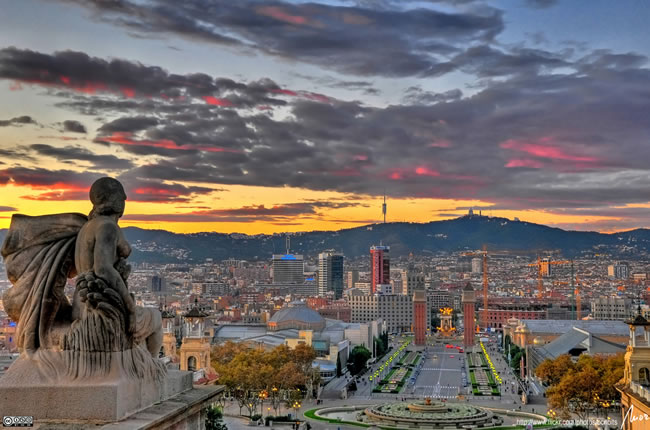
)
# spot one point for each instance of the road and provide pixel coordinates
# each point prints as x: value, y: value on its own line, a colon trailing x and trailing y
x: 440, y: 376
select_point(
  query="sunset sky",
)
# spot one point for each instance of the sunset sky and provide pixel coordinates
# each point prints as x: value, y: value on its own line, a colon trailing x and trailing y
x: 259, y: 116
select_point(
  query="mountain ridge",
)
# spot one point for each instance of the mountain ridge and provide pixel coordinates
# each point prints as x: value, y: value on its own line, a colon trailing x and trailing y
x: 458, y: 234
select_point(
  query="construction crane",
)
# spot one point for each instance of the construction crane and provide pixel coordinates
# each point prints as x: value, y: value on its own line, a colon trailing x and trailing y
x: 578, y: 301
x: 484, y: 254
x: 541, y: 266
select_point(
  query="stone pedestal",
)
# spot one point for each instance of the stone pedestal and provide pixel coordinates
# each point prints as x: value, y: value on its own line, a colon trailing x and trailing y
x: 23, y: 391
x: 185, y: 411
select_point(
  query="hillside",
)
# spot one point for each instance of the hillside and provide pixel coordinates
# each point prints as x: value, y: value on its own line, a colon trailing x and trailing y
x: 403, y: 238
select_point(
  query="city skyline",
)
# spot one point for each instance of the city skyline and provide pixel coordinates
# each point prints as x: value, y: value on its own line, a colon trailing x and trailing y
x: 262, y: 117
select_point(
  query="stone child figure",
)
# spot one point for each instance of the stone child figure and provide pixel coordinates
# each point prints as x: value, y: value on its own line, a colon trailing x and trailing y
x: 101, y: 332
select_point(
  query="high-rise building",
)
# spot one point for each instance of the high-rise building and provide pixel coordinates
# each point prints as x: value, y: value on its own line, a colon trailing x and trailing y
x: 352, y: 278
x: 379, y: 266
x: 157, y: 284
x: 545, y: 267
x: 288, y: 269
x: 330, y: 273
x: 420, y: 317
x: 414, y: 282
x: 469, y: 300
x: 620, y: 270
x: 464, y: 264
x: 477, y: 265
x: 611, y: 308
x: 395, y: 309
x: 440, y: 299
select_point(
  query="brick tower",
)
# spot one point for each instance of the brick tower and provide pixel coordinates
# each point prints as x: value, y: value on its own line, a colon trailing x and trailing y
x: 468, y: 299
x: 420, y: 317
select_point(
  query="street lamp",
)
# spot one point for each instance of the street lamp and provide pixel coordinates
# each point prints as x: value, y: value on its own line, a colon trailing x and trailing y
x: 262, y: 395
x: 274, y: 399
x: 296, y: 407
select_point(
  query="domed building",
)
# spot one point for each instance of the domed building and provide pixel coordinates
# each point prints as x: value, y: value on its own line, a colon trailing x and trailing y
x: 296, y: 315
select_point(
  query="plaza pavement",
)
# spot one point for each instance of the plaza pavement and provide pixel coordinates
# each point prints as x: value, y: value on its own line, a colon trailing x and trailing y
x: 439, y: 378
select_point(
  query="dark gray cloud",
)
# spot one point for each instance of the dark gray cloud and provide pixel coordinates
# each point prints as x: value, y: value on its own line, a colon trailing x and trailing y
x: 7, y: 209
x: 279, y: 213
x: 415, y: 95
x: 129, y: 124
x: 78, y: 153
x: 72, y: 185
x: 19, y: 120
x: 74, y: 126
x: 574, y: 139
x: 541, y: 4
x: 365, y: 87
x: 360, y: 39
x: 70, y: 72
x: 485, y: 61
x: 41, y: 178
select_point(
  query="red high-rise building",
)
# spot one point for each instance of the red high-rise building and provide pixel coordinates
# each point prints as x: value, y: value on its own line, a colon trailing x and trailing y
x: 420, y: 317
x: 379, y: 266
x: 469, y: 300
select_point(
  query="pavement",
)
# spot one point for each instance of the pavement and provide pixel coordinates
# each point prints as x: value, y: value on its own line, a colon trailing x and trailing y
x: 439, y: 378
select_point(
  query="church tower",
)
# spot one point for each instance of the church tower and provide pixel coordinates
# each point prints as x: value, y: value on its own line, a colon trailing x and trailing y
x: 195, y: 349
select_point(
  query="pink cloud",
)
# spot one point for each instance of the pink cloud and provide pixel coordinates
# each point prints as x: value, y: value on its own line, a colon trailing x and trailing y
x: 125, y: 139
x: 318, y: 97
x: 517, y: 162
x: 128, y: 92
x: 440, y: 143
x: 545, y: 147
x: 283, y: 91
x: 360, y: 157
x: 425, y: 171
x: 216, y: 102
x: 280, y: 14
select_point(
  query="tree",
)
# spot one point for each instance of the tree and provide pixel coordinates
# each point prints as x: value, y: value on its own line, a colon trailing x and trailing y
x: 214, y: 419
x: 588, y: 384
x: 338, y: 365
x: 380, y: 347
x: 516, y: 355
x: 384, y: 339
x: 435, y: 320
x: 575, y: 393
x: 358, y: 358
x: 248, y: 372
x: 551, y: 371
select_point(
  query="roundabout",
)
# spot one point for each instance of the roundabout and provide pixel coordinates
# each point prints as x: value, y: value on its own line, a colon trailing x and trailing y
x: 425, y: 414
x: 428, y: 414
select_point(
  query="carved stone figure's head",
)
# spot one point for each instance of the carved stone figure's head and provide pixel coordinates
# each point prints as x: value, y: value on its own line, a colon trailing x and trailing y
x: 108, y: 197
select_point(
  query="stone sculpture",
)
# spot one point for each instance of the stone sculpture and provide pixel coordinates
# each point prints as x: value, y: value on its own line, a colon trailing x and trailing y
x: 100, y: 334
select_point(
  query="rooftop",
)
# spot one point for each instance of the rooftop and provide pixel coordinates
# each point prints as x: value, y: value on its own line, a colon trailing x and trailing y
x: 597, y: 327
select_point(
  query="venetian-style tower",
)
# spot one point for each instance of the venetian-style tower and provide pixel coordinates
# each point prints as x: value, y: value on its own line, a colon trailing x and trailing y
x: 420, y: 317
x: 469, y: 300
